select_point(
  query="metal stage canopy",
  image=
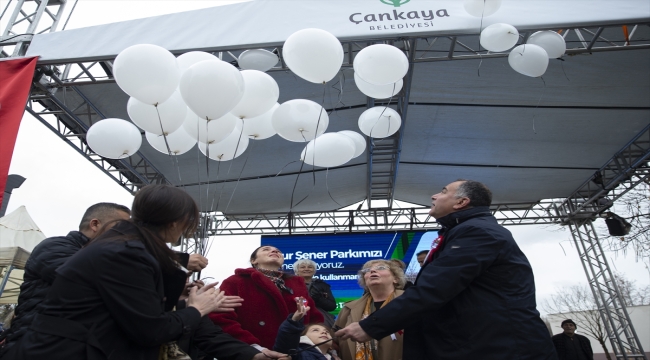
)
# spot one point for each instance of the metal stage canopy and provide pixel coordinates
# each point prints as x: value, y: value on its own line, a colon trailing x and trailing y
x: 560, y: 149
x: 528, y: 139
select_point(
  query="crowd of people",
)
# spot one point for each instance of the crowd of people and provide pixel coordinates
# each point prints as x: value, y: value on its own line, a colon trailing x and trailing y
x: 115, y: 290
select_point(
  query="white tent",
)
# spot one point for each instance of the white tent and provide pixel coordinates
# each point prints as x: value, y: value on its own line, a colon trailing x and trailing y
x: 18, y: 237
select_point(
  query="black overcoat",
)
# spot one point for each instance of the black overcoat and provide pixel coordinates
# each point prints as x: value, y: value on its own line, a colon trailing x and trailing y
x: 107, y: 302
x: 475, y: 300
x: 39, y: 275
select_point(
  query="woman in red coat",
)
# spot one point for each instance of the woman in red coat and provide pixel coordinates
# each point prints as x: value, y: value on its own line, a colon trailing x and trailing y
x: 269, y: 297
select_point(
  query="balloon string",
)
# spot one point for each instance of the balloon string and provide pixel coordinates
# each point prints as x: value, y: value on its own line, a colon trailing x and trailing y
x: 280, y: 172
x: 480, y: 30
x: 178, y: 169
x: 382, y: 113
x: 198, y: 162
x: 340, y: 94
x: 562, y: 64
x: 538, y: 102
x: 207, y: 158
x: 320, y: 115
x: 214, y: 193
x: 293, y: 191
x: 169, y: 151
x: 240, y: 174
x: 230, y: 165
x: 328, y: 188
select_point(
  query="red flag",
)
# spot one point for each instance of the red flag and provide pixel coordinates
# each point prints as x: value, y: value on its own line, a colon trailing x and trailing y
x: 15, y: 81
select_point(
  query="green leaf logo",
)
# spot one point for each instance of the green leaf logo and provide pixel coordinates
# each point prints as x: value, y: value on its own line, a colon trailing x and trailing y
x: 395, y: 3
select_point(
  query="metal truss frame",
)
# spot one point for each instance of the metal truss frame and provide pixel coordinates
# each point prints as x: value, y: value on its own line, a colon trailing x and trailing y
x: 383, y: 154
x: 21, y: 14
x: 620, y: 331
x: 71, y: 125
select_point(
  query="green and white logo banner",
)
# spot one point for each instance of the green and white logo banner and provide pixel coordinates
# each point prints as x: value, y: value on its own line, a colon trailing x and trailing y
x: 265, y: 23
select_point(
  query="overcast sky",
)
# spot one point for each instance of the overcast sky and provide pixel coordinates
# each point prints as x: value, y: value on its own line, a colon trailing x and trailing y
x: 61, y: 184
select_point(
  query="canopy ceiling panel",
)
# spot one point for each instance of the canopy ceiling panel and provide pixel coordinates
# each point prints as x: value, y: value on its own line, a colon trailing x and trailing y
x: 608, y: 79
x: 503, y: 136
x: 416, y: 183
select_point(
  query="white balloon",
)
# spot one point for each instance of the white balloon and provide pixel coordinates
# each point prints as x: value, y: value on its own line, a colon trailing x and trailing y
x: 229, y: 148
x: 550, y: 41
x: 379, y: 122
x: 211, y: 88
x: 530, y: 60
x: 190, y: 58
x: 499, y: 37
x: 211, y: 131
x: 257, y: 59
x: 381, y: 64
x: 172, y: 114
x: 261, y: 92
x: 179, y: 142
x: 260, y: 127
x: 313, y: 54
x: 482, y: 8
x: 328, y: 150
x: 114, y: 138
x: 147, y: 72
x: 378, y: 91
x: 359, y: 141
x: 300, y: 120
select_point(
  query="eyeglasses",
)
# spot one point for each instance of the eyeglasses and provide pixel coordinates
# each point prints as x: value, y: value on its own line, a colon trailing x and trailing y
x: 376, y: 268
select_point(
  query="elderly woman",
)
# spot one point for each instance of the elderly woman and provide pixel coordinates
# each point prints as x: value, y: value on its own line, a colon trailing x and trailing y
x: 382, y: 280
x: 269, y: 297
x: 319, y: 290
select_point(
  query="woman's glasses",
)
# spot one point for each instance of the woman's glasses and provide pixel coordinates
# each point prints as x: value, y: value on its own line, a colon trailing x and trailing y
x: 376, y: 268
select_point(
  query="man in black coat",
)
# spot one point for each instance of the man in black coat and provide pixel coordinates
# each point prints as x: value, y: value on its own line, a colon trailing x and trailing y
x: 474, y: 298
x: 51, y: 253
x: 571, y: 346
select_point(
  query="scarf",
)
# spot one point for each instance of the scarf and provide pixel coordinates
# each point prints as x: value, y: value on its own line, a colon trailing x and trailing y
x: 368, y: 350
x: 276, y: 277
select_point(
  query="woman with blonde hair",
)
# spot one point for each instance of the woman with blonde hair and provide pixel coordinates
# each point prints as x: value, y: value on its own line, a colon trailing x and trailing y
x: 383, y: 281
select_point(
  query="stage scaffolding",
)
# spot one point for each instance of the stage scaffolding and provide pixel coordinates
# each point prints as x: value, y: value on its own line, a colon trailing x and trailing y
x: 626, y: 169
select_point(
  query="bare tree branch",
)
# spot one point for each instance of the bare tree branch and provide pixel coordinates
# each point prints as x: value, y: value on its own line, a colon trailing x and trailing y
x: 635, y: 208
x: 579, y: 302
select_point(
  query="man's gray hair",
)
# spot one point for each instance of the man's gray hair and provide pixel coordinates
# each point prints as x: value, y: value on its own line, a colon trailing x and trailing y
x: 297, y: 264
x: 477, y: 193
x: 103, y: 212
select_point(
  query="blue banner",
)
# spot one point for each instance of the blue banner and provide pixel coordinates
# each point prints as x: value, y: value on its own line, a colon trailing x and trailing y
x: 339, y: 257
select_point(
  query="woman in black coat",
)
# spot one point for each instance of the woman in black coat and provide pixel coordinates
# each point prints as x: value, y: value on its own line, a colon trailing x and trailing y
x: 319, y: 290
x: 108, y: 300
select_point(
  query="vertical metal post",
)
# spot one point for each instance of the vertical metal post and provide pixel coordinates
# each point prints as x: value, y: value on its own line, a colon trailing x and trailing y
x: 620, y: 330
x: 5, y: 279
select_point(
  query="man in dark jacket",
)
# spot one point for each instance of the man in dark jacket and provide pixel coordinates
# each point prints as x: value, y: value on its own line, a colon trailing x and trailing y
x: 474, y: 298
x: 571, y: 346
x: 51, y: 253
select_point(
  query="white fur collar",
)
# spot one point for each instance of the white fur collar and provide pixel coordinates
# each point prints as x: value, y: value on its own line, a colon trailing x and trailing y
x: 305, y: 340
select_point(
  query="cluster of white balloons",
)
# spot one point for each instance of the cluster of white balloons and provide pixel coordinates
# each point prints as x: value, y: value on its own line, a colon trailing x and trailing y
x: 530, y: 59
x: 378, y: 73
x: 316, y: 56
x: 181, y: 101
x: 199, y: 98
